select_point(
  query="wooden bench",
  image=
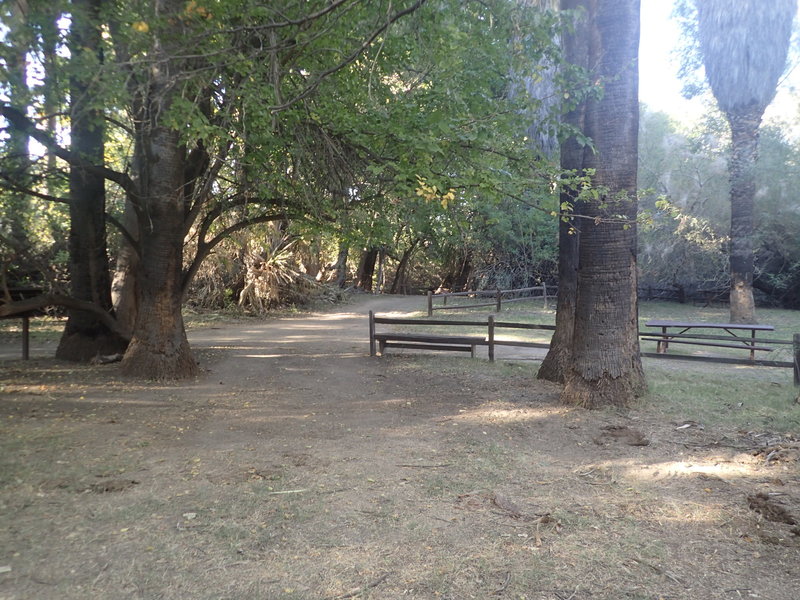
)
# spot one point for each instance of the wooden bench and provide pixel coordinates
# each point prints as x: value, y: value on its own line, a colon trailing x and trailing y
x: 428, y: 341
x: 675, y: 332
x: 378, y: 342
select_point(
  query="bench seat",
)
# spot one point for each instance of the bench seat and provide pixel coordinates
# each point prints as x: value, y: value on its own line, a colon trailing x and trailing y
x: 699, y: 342
x: 427, y: 341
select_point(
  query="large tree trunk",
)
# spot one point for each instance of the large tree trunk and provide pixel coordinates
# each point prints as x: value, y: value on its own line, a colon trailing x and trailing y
x: 555, y: 364
x: 744, y: 154
x: 606, y: 368
x: 84, y: 335
x: 16, y: 160
x: 124, y: 289
x: 159, y: 348
x: 366, y: 269
x: 340, y: 268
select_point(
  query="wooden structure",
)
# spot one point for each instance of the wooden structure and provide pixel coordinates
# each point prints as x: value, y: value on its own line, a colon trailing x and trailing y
x: 379, y: 341
x: 498, y: 298
x: 23, y: 293
x: 676, y: 332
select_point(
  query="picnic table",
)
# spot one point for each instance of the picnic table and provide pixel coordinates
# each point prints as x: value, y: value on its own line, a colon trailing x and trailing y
x: 23, y: 293
x: 676, y: 332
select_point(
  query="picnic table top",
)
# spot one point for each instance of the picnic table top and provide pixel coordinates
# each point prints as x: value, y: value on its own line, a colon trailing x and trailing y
x: 748, y: 326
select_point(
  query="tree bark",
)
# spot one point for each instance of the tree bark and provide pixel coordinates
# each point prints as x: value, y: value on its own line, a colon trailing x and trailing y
x: 744, y: 154
x: 340, y: 268
x: 124, y: 289
x: 85, y: 336
x: 400, y: 282
x: 366, y: 269
x: 159, y: 348
x: 461, y: 277
x: 555, y: 364
x: 606, y: 367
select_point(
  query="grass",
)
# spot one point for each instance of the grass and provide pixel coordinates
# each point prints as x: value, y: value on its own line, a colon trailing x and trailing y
x: 745, y: 397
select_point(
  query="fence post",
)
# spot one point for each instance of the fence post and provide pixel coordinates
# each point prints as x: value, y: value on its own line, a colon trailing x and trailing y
x: 499, y: 296
x: 371, y: 333
x: 430, y: 303
x: 796, y: 346
x: 544, y: 293
x: 491, y: 338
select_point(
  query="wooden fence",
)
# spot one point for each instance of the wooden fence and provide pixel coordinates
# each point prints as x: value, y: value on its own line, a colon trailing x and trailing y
x: 498, y: 298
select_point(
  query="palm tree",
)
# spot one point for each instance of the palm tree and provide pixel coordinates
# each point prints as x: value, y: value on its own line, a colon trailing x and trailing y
x: 575, y: 43
x: 604, y: 367
x: 744, y: 45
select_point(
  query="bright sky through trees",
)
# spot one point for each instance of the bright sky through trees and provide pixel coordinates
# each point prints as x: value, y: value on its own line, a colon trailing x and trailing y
x: 659, y: 87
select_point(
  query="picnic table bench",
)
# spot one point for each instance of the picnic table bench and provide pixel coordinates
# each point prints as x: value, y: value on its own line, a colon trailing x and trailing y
x: 675, y: 332
x: 429, y: 341
x: 23, y: 293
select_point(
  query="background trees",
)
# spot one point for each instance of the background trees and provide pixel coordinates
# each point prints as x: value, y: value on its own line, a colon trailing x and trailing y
x: 384, y: 146
x: 334, y: 117
x: 744, y: 53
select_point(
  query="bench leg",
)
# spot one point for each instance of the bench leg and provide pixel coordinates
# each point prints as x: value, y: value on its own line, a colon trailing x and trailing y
x: 381, y: 346
x: 472, y: 351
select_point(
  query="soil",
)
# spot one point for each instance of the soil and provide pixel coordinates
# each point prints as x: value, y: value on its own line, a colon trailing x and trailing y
x: 299, y: 467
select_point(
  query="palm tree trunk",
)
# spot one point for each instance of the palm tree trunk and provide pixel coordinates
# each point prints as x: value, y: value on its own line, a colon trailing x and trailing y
x: 606, y: 368
x: 555, y: 364
x: 744, y: 154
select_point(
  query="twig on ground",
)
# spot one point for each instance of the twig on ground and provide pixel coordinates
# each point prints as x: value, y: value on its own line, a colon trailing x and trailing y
x: 659, y: 570
x: 426, y: 466
x: 361, y: 590
x: 570, y: 597
x: 504, y: 585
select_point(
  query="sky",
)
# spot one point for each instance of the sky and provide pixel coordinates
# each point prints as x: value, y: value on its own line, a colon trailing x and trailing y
x: 659, y: 86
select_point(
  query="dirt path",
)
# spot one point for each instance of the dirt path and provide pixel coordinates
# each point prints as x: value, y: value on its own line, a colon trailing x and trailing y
x: 297, y: 467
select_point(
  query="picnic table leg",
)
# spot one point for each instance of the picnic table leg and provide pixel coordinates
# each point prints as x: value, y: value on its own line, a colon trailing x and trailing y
x: 491, y: 338
x: 26, y: 329
x: 661, y: 347
x: 371, y: 333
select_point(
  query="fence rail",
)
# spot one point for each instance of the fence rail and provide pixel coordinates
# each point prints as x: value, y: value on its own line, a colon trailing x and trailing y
x: 499, y: 297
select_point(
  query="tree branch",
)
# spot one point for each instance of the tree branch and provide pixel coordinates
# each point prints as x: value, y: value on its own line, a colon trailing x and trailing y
x: 20, y: 122
x: 205, y: 248
x: 18, y: 307
x: 125, y: 233
x: 348, y: 59
x: 11, y: 186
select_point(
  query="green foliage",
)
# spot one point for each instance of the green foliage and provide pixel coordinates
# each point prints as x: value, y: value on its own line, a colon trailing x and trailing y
x: 685, y: 170
x: 328, y: 117
x: 685, y: 244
